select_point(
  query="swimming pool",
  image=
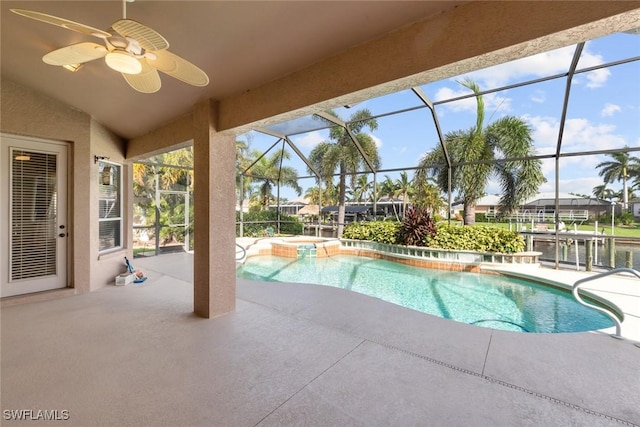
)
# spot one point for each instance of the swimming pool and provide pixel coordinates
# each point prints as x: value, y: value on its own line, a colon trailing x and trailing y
x: 492, y: 301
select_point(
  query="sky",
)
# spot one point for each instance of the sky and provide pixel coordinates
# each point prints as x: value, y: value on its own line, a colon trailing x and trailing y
x: 603, y: 113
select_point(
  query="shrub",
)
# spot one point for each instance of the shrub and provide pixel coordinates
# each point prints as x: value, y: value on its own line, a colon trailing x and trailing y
x: 375, y: 231
x: 288, y: 224
x: 625, y: 218
x: 417, y: 225
x: 476, y: 238
x: 481, y: 217
x: 604, y: 219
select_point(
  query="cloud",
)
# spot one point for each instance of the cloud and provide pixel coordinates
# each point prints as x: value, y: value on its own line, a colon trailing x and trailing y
x: 400, y: 150
x: 574, y: 185
x: 597, y: 78
x: 609, y: 110
x: 579, y: 135
x: 542, y: 65
x: 577, y: 175
x: 544, y: 131
x: 492, y: 102
x: 377, y: 141
x: 539, y: 96
x: 309, y: 140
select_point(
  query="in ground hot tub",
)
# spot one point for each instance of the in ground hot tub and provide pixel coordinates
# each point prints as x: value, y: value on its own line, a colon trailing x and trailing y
x: 297, y: 247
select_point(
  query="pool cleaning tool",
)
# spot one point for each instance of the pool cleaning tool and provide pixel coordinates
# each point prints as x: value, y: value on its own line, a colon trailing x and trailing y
x: 140, y: 277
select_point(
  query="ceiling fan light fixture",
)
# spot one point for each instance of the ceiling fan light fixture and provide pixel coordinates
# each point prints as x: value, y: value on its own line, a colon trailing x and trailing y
x: 136, y: 51
x: 72, y: 67
x: 123, y: 63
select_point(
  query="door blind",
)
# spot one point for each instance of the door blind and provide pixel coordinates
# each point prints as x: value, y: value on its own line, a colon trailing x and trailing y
x: 33, y: 244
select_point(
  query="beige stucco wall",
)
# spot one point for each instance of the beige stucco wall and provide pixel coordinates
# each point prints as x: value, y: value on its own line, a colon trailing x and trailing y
x: 28, y: 113
x: 106, y: 266
x: 172, y: 136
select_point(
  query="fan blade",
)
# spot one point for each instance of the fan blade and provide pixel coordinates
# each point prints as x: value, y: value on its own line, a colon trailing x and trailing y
x: 179, y: 68
x: 61, y: 22
x: 148, y: 38
x: 78, y: 53
x: 148, y: 81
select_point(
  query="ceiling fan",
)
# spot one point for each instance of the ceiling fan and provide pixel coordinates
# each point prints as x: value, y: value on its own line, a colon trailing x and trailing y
x: 133, y: 49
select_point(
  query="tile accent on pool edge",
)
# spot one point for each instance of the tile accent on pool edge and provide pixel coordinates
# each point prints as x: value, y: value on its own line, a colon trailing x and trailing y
x: 439, y: 265
x: 324, y: 251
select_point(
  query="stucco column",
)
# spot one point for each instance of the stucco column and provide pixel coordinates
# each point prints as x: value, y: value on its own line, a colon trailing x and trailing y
x: 214, y: 280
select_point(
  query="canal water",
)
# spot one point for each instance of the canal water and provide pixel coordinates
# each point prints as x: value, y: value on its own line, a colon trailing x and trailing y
x: 601, y: 254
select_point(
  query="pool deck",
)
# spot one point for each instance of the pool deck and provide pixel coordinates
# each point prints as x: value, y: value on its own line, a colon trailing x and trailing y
x: 293, y: 355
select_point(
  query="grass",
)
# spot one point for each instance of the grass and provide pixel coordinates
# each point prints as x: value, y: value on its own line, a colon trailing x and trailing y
x: 138, y: 251
x: 619, y: 230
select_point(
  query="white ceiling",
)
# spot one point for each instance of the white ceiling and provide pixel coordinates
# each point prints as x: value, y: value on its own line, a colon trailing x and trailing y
x: 241, y: 45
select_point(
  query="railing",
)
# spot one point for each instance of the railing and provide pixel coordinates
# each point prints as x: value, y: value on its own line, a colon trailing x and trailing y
x: 604, y: 311
x: 571, y: 215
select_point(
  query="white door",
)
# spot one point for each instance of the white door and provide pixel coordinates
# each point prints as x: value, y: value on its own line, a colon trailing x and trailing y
x: 33, y: 215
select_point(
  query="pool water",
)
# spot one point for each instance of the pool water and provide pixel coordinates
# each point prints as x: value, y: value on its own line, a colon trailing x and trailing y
x: 480, y: 299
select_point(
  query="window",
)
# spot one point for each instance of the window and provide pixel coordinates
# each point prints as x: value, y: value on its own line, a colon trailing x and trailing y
x: 110, y: 205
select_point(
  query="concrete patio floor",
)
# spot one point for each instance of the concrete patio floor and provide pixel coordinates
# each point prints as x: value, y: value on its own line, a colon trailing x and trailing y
x: 298, y: 355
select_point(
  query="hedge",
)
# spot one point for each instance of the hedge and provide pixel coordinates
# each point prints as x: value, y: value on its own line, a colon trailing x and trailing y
x: 455, y: 237
x: 288, y: 224
x: 476, y: 238
x: 375, y: 231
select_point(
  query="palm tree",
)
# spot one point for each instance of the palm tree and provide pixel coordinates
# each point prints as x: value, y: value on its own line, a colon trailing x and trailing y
x: 313, y: 194
x: 619, y: 195
x: 144, y: 189
x: 143, y: 180
x: 171, y: 209
x: 427, y: 195
x: 404, y: 187
x: 602, y: 192
x: 171, y: 176
x: 243, y: 161
x: 268, y: 171
x: 508, y: 137
x: 328, y: 193
x: 620, y: 168
x: 361, y: 188
x: 388, y: 189
x: 340, y: 153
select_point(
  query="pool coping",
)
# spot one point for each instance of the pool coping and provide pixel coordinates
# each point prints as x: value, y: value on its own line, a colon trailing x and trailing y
x: 620, y: 291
